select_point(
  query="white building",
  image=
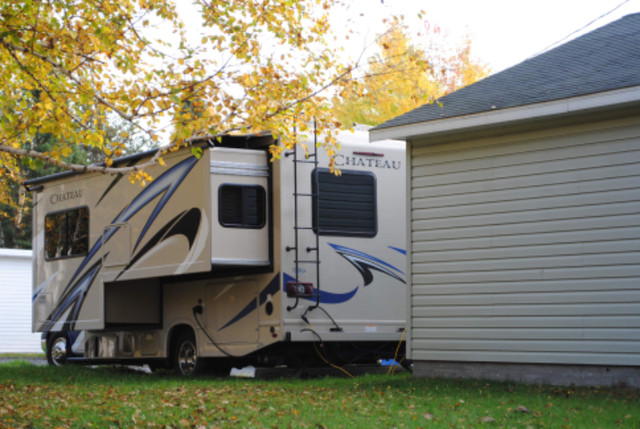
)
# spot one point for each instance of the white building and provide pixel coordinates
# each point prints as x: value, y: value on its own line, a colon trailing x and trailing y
x: 524, y: 218
x: 15, y: 303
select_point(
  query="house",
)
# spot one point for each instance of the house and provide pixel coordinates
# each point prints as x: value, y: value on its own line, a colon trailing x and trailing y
x: 524, y: 218
x: 15, y: 303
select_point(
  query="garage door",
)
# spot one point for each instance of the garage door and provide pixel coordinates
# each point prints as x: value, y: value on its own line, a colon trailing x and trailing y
x: 15, y: 303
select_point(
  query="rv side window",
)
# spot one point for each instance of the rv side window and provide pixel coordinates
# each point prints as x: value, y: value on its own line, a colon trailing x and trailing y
x: 66, y: 233
x: 345, y: 204
x: 241, y: 206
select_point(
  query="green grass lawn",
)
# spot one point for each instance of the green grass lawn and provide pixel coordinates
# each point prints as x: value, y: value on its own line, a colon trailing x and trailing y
x: 76, y: 396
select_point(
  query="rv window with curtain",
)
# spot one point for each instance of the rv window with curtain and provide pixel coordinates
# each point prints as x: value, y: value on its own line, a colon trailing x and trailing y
x: 66, y: 233
x: 241, y: 206
x: 345, y: 204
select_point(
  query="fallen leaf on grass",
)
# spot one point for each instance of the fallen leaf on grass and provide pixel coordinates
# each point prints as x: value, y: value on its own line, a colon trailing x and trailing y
x: 428, y: 416
x: 487, y: 419
x: 521, y: 409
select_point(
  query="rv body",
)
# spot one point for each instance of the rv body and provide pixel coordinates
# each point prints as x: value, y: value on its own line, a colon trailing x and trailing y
x: 226, y: 252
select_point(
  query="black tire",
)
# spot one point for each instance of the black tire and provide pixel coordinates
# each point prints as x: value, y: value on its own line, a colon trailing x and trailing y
x: 185, y: 356
x: 58, y: 349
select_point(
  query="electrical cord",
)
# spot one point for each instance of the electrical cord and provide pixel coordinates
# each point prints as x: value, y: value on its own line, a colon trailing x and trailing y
x: 313, y: 332
x: 198, y: 310
x: 310, y: 308
x: 362, y: 353
x: 392, y: 368
x: 324, y: 359
x: 332, y: 364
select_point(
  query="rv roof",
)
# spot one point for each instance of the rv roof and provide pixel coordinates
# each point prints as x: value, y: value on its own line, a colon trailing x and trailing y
x: 248, y: 141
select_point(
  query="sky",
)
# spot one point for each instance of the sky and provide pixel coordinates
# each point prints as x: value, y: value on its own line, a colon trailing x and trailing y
x: 503, y: 32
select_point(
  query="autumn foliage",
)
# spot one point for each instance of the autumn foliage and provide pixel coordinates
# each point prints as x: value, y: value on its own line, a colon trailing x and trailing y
x: 406, y: 74
x: 70, y: 66
x: 75, y: 70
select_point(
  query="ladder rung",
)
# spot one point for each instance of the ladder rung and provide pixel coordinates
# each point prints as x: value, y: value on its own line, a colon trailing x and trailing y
x: 305, y: 161
x: 302, y: 227
x: 304, y: 195
x: 306, y: 262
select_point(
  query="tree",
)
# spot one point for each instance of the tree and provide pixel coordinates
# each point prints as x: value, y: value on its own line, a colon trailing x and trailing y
x: 15, y: 202
x: 259, y: 66
x: 15, y: 207
x: 404, y: 76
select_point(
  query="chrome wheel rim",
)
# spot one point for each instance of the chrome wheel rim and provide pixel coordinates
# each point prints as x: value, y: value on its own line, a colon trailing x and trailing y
x: 59, y: 351
x: 187, y: 358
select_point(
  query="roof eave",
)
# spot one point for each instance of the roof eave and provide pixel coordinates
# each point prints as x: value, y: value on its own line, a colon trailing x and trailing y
x: 512, y: 115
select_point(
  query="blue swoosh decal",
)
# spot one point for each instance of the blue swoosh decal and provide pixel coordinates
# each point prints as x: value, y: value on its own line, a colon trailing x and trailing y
x: 73, y: 299
x: 364, y: 263
x: 186, y: 223
x: 404, y: 252
x: 167, y: 183
x: 42, y: 287
x: 271, y: 289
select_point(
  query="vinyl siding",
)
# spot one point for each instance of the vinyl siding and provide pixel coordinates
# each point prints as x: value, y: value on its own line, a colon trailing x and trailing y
x: 526, y: 248
x: 15, y: 303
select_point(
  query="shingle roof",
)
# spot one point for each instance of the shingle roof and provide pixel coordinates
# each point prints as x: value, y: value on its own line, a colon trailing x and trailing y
x: 605, y: 59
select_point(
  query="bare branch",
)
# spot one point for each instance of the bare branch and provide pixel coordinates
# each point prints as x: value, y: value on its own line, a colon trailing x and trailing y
x: 79, y: 168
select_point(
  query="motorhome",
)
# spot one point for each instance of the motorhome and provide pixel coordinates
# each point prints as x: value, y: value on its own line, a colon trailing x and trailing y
x: 225, y: 255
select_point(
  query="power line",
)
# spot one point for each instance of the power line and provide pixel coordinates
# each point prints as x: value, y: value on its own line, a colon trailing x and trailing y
x: 580, y: 29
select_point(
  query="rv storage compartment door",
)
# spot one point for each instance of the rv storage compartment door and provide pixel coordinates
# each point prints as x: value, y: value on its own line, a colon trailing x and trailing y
x: 240, y: 207
x: 133, y: 303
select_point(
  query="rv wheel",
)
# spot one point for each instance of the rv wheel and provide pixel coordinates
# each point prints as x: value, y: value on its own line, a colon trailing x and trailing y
x: 57, y: 349
x: 185, y: 354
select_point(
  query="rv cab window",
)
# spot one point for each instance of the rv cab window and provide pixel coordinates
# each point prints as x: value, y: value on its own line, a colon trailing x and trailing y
x: 241, y: 206
x: 345, y: 204
x: 66, y: 233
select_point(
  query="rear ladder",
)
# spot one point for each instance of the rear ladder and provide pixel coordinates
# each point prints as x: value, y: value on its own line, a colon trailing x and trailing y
x: 297, y: 288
